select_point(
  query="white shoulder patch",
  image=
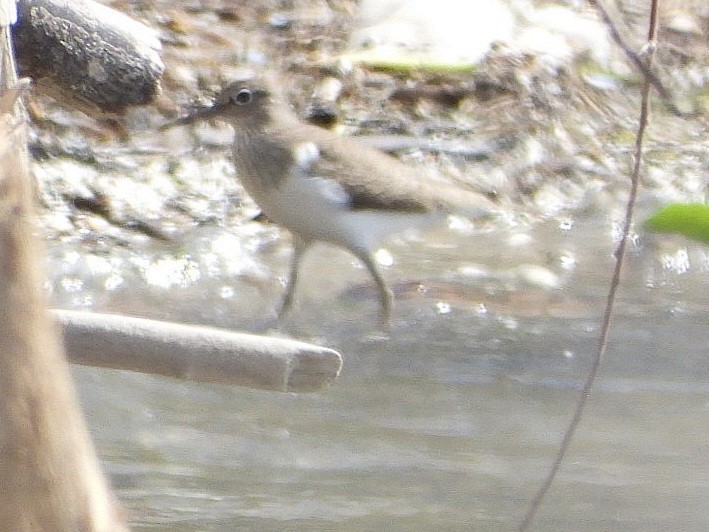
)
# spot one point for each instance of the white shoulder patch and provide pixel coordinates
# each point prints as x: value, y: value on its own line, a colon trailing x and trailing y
x: 305, y: 154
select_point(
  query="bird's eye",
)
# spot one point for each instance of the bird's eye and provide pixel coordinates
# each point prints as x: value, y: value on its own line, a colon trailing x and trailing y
x: 242, y: 97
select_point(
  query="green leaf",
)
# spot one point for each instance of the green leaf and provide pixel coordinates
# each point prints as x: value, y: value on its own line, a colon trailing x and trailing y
x: 688, y: 219
x: 408, y: 63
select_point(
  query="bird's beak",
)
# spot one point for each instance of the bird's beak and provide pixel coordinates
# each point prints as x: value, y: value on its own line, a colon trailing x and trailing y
x: 196, y: 115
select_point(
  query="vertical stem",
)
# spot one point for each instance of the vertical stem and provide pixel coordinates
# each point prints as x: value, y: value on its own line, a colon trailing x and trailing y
x: 602, y: 346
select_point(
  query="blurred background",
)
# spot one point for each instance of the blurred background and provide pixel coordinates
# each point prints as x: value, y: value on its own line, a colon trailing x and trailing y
x: 451, y: 419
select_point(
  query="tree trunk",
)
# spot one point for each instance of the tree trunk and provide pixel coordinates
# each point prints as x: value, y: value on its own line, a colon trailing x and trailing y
x: 49, y: 473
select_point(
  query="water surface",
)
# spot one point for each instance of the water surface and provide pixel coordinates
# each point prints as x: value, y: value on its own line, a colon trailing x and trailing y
x: 451, y: 420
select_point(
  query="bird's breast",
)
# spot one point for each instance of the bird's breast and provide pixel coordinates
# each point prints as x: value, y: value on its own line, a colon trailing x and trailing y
x: 261, y: 161
x: 275, y: 180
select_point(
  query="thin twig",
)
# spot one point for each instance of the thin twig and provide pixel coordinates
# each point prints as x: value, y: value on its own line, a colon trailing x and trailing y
x: 645, y: 67
x: 615, y: 281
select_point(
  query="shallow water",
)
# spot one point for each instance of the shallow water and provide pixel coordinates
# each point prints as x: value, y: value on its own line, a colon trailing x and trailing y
x: 450, y: 421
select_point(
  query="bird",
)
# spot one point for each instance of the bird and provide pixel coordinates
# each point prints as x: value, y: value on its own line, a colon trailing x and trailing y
x: 325, y: 187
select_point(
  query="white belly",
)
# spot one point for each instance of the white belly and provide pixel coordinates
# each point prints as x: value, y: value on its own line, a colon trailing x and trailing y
x: 315, y: 210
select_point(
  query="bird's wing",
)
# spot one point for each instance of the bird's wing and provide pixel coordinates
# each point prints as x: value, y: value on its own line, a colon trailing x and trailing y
x: 372, y: 179
x: 381, y: 181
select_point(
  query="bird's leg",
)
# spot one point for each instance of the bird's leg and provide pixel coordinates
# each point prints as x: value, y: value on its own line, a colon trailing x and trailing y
x: 300, y: 246
x: 386, y: 298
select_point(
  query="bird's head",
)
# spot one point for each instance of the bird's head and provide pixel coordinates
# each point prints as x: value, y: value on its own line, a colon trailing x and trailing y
x: 245, y: 104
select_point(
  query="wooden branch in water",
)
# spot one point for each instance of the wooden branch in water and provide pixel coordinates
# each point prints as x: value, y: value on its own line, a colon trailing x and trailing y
x: 87, y: 55
x: 196, y: 353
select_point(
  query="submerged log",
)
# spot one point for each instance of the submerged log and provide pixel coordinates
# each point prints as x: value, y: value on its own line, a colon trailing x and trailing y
x: 190, y: 352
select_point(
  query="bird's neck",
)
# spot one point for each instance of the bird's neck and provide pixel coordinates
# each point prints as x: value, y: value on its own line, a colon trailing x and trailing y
x: 262, y: 156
